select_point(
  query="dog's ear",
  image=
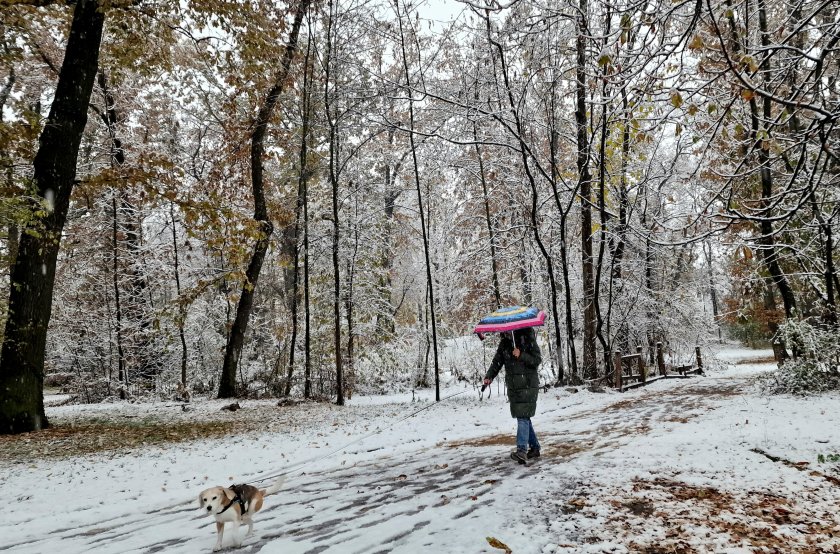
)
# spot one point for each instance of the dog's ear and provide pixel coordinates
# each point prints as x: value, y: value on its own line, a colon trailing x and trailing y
x: 229, y: 493
x: 200, y: 502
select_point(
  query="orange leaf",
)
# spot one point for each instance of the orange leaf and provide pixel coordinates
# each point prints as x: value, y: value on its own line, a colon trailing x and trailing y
x: 496, y: 543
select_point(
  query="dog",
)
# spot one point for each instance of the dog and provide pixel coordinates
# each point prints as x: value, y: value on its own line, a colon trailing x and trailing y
x: 236, y: 504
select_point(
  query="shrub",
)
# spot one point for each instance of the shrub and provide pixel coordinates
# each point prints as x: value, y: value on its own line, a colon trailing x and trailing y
x: 817, y: 366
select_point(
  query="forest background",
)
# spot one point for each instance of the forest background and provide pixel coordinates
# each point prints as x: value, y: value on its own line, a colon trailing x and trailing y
x: 257, y: 198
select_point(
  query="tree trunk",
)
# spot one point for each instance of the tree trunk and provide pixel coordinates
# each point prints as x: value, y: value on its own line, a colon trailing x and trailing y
x: 332, y: 122
x: 182, y: 315
x: 121, y: 372
x: 497, y: 294
x: 621, y: 231
x: 830, y: 277
x: 12, y: 241
x: 33, y: 275
x: 570, y: 325
x: 564, y: 262
x: 137, y: 302
x: 826, y: 231
x: 307, y: 335
x: 387, y: 311
x: 767, y: 239
x: 13, y: 231
x: 621, y: 340
x: 303, y: 178
x: 349, y: 381
x: 606, y: 345
x: 524, y: 266
x: 233, y: 349
x: 585, y: 184
x: 429, y: 280
x: 707, y: 250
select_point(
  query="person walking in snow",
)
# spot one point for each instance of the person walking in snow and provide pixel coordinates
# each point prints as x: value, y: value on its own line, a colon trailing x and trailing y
x: 520, y: 355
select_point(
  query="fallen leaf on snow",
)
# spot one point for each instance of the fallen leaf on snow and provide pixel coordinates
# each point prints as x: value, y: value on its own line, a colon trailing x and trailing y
x: 496, y: 543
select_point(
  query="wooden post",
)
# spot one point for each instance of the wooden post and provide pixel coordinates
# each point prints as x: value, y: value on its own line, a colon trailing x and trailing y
x: 660, y: 359
x: 699, y: 358
x: 642, y: 367
x: 617, y: 370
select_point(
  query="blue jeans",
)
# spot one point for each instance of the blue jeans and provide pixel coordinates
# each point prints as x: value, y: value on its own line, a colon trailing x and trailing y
x: 525, y: 436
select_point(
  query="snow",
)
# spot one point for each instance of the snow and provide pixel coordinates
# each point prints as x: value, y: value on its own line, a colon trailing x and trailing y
x: 683, y: 465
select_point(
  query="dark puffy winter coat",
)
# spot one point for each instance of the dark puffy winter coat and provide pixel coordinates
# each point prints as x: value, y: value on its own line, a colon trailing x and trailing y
x: 521, y: 377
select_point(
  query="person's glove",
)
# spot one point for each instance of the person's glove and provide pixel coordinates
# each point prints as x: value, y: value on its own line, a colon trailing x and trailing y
x: 487, y: 382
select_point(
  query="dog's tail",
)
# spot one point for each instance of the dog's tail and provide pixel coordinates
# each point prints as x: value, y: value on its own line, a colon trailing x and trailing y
x: 274, y: 487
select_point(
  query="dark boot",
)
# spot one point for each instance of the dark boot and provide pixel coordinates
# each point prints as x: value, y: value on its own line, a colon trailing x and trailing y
x: 533, y: 453
x: 520, y: 456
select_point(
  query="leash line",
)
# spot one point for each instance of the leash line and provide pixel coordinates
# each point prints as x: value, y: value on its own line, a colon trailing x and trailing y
x: 294, y: 467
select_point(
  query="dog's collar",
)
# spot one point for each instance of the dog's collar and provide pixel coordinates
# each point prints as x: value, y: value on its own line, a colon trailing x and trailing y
x: 236, y: 498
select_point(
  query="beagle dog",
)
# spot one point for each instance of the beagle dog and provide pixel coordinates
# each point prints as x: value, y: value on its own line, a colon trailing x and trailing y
x: 236, y: 504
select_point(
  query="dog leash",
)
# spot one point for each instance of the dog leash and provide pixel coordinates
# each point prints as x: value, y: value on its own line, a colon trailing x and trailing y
x: 294, y: 467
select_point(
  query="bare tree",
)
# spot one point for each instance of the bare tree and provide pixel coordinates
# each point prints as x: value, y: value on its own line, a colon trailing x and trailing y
x: 233, y: 349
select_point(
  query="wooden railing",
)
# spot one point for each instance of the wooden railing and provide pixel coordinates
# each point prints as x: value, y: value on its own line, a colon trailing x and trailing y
x: 630, y: 371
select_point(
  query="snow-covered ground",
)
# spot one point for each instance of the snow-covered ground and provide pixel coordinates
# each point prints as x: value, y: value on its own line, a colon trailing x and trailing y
x: 704, y: 464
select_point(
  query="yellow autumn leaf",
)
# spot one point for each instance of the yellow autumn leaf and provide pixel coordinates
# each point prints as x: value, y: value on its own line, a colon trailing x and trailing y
x: 676, y: 99
x: 696, y: 43
x: 750, y: 63
x: 496, y: 543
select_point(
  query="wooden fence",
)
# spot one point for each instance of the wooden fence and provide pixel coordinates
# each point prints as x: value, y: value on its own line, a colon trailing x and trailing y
x: 631, y: 371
